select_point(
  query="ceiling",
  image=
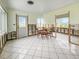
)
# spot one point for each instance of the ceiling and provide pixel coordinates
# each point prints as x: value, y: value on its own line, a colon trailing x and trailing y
x: 39, y: 5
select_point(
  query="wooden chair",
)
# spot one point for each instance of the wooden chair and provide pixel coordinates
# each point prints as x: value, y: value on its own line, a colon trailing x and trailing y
x: 44, y: 33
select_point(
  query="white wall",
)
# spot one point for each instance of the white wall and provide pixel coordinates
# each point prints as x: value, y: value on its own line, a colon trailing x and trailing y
x: 74, y: 13
x: 49, y: 17
x: 12, y: 18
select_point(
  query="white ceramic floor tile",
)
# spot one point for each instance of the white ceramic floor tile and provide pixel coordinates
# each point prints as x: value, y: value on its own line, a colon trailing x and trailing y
x: 77, y: 57
x: 20, y: 56
x: 13, y: 56
x: 28, y: 57
x: 36, y: 57
x: 38, y: 53
x: 31, y: 52
x: 71, y: 57
x: 38, y: 48
x: 53, y: 56
x: 62, y: 56
x: 5, y: 55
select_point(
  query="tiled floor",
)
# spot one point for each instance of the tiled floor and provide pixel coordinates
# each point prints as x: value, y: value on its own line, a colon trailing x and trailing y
x: 76, y: 40
x: 38, y: 48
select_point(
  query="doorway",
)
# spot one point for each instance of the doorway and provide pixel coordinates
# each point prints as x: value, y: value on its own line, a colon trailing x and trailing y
x: 62, y: 30
x: 22, y: 26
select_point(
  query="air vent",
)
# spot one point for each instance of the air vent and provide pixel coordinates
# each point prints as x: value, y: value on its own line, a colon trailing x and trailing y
x: 30, y: 2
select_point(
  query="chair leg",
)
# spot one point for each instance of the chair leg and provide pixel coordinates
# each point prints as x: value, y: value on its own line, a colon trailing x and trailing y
x: 47, y: 36
x: 42, y: 36
x: 37, y: 35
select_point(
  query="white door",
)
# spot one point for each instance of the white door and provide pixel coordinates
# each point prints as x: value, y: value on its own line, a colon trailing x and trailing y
x: 22, y: 26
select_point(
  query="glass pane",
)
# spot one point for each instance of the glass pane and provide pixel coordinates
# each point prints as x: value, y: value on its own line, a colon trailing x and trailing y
x: 40, y: 22
x: 62, y: 22
x: 75, y: 33
x: 62, y: 26
x: 22, y: 21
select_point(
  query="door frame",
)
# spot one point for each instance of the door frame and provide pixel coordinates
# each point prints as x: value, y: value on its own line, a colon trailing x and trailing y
x: 17, y: 25
x: 69, y: 35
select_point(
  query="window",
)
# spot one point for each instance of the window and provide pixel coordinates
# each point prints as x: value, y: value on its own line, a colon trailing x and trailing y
x: 62, y: 22
x: 40, y: 22
x: 22, y: 21
x: 3, y: 21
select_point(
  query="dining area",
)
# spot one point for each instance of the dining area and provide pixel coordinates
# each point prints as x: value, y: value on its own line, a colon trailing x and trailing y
x: 45, y: 32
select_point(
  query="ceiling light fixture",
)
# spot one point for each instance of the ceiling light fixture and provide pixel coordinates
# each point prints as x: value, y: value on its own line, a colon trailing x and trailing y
x: 30, y: 2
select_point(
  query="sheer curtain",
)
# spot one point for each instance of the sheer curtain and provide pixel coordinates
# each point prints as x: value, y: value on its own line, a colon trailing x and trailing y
x: 0, y: 20
x: 3, y: 21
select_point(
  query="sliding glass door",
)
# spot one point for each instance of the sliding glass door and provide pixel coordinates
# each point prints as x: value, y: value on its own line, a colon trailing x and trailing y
x: 62, y: 27
x: 22, y: 29
x: 75, y: 34
x: 68, y: 28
